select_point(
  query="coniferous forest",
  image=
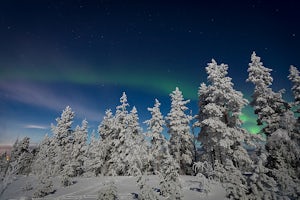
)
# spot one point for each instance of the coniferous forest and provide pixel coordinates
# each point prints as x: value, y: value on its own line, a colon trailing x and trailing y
x: 246, y: 166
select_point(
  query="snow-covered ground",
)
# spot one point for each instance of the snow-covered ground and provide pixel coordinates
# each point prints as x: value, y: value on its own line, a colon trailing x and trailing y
x: 87, y: 188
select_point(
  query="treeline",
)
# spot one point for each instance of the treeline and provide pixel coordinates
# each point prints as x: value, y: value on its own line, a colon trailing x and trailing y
x: 273, y: 172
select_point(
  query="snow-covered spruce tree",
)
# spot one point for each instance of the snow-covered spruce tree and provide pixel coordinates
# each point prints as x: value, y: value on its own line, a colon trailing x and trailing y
x: 221, y: 135
x: 294, y: 76
x: 118, y: 167
x: 42, y: 168
x: 26, y: 158
x: 274, y: 112
x: 169, y: 182
x: 105, y: 129
x: 261, y: 185
x: 220, y: 105
x: 62, y: 142
x: 94, y: 162
x: 22, y: 156
x: 43, y: 157
x: 79, y: 149
x: 136, y: 157
x: 155, y: 128
x: 107, y: 132
x: 235, y: 183
x: 66, y: 175
x: 181, y: 139
x: 283, y: 162
x: 267, y: 104
x: 24, y: 163
x: 116, y: 136
x: 125, y: 144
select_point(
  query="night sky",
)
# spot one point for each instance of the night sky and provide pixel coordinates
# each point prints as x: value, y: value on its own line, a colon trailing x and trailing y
x: 86, y: 53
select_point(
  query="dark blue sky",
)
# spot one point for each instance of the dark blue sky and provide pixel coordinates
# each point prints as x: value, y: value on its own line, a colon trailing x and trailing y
x: 86, y: 53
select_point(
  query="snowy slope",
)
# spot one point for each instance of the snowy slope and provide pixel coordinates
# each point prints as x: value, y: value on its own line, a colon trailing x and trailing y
x: 87, y: 188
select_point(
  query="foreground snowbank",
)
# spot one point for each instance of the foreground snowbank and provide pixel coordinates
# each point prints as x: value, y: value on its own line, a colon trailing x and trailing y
x: 87, y: 188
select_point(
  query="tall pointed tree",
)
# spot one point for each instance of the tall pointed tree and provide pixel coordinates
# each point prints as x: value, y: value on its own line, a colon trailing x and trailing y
x: 294, y: 76
x: 123, y: 134
x: 275, y: 114
x: 62, y: 142
x: 79, y: 149
x: 221, y: 135
x: 136, y: 156
x: 108, y: 133
x: 155, y: 128
x: 181, y: 142
x: 267, y: 104
x: 118, y: 151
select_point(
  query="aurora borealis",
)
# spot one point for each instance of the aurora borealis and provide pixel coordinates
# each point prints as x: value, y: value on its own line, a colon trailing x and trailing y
x: 86, y: 53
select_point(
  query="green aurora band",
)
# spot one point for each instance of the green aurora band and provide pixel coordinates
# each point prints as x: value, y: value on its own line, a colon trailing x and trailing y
x: 153, y: 83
